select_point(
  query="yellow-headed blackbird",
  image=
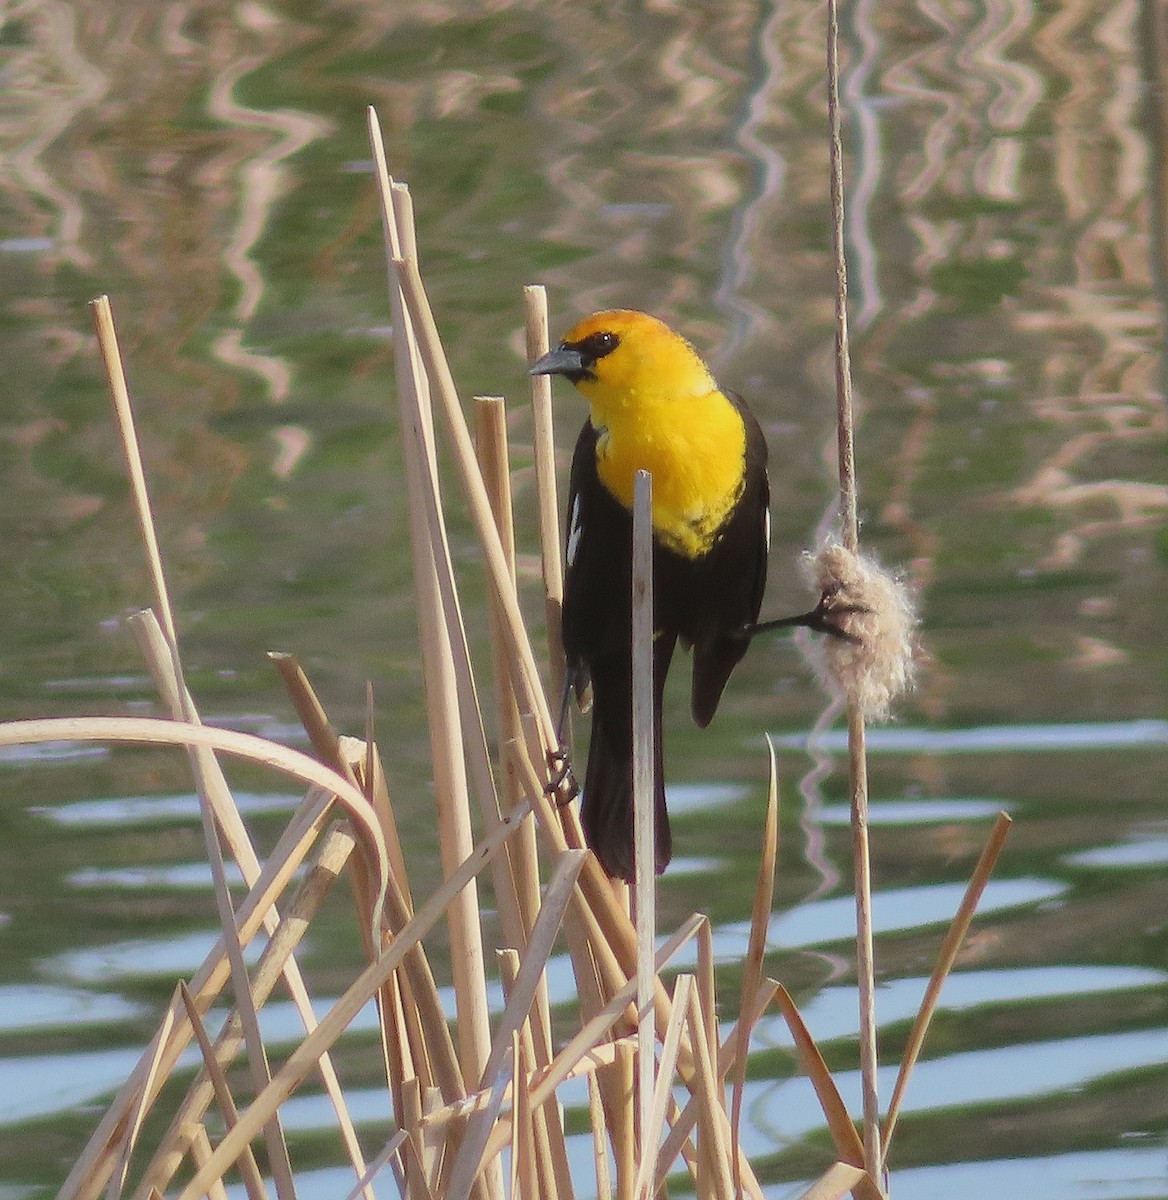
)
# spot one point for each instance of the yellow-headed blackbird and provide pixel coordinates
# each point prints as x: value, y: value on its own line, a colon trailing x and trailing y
x: 654, y: 406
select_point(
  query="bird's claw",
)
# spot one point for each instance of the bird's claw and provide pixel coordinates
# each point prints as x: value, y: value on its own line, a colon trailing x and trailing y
x: 562, y: 784
x: 824, y: 617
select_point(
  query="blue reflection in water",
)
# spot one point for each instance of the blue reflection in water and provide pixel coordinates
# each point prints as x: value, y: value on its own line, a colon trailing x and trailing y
x: 25, y: 1008
x: 784, y: 1111
x: 1106, y: 735
x: 175, y: 957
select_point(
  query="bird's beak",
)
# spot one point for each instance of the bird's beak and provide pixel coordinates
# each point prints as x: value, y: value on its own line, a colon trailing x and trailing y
x: 560, y: 361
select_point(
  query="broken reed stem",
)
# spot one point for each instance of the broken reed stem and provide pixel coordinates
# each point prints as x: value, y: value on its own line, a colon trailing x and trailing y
x: 858, y: 765
x: 643, y: 798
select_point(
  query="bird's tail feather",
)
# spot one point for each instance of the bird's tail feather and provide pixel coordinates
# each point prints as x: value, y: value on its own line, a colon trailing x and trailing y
x: 607, y: 811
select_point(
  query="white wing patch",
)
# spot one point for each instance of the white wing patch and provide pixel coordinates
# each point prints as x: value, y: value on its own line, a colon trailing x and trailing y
x: 574, y: 531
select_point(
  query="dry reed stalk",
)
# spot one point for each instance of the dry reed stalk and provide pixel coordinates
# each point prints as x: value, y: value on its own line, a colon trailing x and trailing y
x: 141, y: 1102
x: 253, y: 1181
x: 644, y: 844
x: 685, y: 1119
x: 958, y: 928
x: 336, y: 844
x: 857, y: 758
x: 588, y: 1037
x: 246, y: 1008
x: 654, y: 1123
x: 599, y: 1141
x: 535, y: 311
x: 390, y: 1155
x: 302, y: 1060
x: 594, y: 883
x: 713, y: 1127
x: 471, y: 1159
x: 528, y: 1159
x: 215, y: 796
x: 444, y: 716
x: 516, y: 880
x: 209, y: 780
x: 420, y: 1005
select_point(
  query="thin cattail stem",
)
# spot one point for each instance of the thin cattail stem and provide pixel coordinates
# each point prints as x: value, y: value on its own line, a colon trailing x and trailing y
x: 861, y: 855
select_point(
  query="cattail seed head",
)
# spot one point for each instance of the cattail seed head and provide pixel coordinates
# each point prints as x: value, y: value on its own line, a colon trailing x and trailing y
x: 873, y: 663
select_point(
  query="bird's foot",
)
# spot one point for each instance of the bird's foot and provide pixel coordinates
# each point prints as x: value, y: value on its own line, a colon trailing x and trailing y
x: 825, y: 617
x: 562, y: 784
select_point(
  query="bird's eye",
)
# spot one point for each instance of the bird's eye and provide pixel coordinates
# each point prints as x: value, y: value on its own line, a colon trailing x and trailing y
x: 597, y: 345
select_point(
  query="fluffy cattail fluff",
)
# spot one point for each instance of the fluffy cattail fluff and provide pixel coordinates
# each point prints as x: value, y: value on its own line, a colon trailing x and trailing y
x: 874, y: 663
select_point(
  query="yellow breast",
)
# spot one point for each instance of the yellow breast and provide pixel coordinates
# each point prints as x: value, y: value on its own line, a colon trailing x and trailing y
x: 695, y: 450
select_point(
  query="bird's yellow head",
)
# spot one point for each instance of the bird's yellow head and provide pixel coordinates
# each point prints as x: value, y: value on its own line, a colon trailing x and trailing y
x: 622, y: 359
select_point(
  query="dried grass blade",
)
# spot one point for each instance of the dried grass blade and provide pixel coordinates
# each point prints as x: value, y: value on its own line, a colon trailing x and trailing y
x: 764, y: 894
x: 304, y: 1057
x: 590, y: 1034
x: 200, y: 1152
x: 708, y: 990
x: 516, y: 878
x: 685, y: 1120
x: 945, y: 959
x: 154, y: 732
x: 253, y: 1181
x: 843, y: 1132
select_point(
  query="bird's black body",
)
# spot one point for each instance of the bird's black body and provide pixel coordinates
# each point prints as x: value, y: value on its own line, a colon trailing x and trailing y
x: 708, y: 601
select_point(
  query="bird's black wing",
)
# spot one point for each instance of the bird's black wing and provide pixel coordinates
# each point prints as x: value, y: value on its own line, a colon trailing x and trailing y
x: 598, y: 646
x: 729, y: 595
x: 598, y: 563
